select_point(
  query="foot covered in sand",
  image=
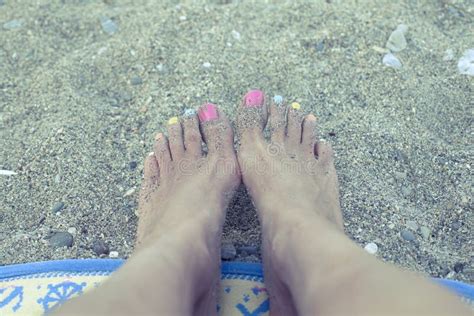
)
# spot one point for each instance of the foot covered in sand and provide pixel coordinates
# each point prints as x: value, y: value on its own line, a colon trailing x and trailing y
x: 184, y: 196
x: 291, y: 179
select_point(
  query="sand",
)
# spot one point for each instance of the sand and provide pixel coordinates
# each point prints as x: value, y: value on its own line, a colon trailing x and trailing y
x: 79, y: 108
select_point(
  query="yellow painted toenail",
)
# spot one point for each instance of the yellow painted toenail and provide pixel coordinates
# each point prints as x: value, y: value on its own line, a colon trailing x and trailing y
x: 173, y: 120
x: 296, y: 105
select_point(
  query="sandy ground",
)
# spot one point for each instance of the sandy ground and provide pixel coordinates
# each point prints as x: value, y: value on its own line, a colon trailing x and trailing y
x: 79, y: 108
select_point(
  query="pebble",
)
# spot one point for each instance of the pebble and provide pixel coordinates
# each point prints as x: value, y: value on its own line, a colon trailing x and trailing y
x: 249, y: 250
x: 412, y: 225
x: 228, y: 251
x: 319, y: 46
x: 407, y: 235
x: 136, y: 81
x: 406, y: 191
x: 100, y: 248
x: 425, y: 232
x: 206, y: 65
x: 371, y: 248
x: 13, y: 24
x: 57, y: 178
x: 236, y: 35
x: 57, y: 207
x: 61, y: 239
x: 129, y: 192
x: 397, y: 42
x: 182, y: 18
x: 458, y: 267
x: 448, y: 55
x: 400, y: 175
x: 108, y: 25
x: 160, y: 68
x: 72, y: 230
x: 466, y: 63
x: 7, y: 172
x: 113, y: 254
x: 390, y: 60
x: 456, y: 225
x: 391, y: 225
x: 132, y: 165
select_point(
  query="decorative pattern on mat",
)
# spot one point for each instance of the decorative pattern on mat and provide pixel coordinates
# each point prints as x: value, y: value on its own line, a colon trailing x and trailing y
x: 39, y: 293
x: 37, y: 288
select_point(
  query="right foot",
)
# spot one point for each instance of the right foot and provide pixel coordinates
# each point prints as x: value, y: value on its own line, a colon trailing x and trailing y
x: 291, y: 179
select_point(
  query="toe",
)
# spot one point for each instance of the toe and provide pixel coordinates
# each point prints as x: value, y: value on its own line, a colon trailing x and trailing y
x: 252, y: 115
x: 324, y: 152
x: 216, y: 129
x: 294, y: 121
x: 175, y: 135
x: 192, y: 135
x: 277, y: 119
x: 151, y: 171
x: 162, y: 153
x: 308, y: 136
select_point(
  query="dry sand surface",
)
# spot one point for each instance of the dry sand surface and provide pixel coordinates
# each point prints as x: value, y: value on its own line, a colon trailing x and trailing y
x: 80, y: 102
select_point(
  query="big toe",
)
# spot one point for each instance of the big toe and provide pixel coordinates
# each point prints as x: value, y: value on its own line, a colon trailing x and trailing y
x: 252, y: 116
x: 216, y: 130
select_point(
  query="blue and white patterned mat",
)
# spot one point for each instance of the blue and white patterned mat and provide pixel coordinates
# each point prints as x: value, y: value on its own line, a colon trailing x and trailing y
x: 37, y: 288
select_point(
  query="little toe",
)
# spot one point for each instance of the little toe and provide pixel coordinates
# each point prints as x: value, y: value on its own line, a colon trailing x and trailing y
x: 324, y: 152
x: 277, y: 119
x: 162, y: 153
x: 175, y: 135
x: 308, y: 136
x: 151, y: 170
x: 252, y: 115
x: 192, y: 135
x: 216, y: 130
x: 294, y: 123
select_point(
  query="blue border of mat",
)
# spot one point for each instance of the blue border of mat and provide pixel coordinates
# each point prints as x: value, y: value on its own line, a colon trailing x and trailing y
x: 110, y: 265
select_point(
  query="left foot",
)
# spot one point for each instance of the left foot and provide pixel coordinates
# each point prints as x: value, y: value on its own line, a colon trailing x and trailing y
x: 175, y: 269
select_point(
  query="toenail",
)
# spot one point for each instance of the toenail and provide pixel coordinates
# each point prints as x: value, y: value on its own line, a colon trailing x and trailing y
x: 173, y: 120
x: 254, y: 98
x: 296, y: 105
x: 208, y: 112
x: 189, y: 113
x: 311, y: 117
x: 278, y: 99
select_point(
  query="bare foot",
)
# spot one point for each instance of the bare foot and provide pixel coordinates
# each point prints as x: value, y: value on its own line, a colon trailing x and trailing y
x: 175, y: 268
x: 291, y: 180
x: 185, y: 193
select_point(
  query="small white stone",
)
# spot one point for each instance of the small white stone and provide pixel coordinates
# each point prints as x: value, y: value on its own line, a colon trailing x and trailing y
x: 236, y: 35
x: 206, y: 65
x: 113, y: 254
x: 160, y: 67
x: 391, y: 225
x: 72, y: 230
x: 448, y: 55
x: 129, y: 192
x: 371, y: 248
x: 7, y: 172
x: 466, y: 63
x: 182, y: 18
x: 390, y: 60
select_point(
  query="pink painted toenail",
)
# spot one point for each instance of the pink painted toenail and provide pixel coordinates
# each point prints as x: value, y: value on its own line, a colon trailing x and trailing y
x: 208, y: 112
x: 254, y: 98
